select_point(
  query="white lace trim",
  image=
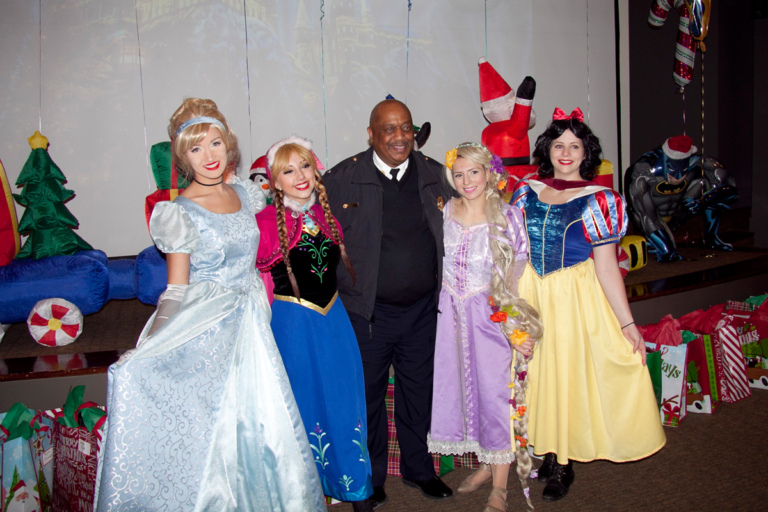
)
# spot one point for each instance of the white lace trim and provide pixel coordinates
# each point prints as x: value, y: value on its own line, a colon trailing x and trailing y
x: 461, y: 447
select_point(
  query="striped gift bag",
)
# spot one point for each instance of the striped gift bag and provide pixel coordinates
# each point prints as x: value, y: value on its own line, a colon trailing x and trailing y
x: 736, y: 385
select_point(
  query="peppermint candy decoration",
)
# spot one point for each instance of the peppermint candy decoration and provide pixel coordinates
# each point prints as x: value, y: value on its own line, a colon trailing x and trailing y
x: 55, y: 322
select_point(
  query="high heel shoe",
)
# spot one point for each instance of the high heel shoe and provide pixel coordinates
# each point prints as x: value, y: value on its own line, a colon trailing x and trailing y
x: 497, y: 494
x: 471, y: 483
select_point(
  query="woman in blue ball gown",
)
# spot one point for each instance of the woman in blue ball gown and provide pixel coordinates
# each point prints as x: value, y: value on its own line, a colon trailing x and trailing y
x: 201, y: 413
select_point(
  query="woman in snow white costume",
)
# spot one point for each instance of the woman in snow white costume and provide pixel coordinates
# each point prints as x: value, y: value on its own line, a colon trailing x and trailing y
x: 201, y: 413
x: 300, y: 248
x: 590, y: 395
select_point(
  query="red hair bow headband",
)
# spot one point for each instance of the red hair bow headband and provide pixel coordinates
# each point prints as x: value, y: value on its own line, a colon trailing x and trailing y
x: 559, y: 115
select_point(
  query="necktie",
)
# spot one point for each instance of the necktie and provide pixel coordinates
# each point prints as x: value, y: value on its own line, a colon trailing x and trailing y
x: 394, y: 172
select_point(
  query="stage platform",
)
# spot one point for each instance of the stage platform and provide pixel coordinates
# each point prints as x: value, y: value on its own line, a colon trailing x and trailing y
x: 40, y: 376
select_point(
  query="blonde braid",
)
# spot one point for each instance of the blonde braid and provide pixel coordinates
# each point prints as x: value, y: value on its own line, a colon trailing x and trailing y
x: 283, y: 234
x: 322, y: 198
x: 504, y: 294
x: 520, y: 424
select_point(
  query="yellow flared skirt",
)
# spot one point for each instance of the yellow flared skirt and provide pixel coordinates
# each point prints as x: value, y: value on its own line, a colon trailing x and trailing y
x: 589, y: 396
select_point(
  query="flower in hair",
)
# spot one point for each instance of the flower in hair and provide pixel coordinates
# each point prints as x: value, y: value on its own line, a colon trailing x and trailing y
x: 496, y: 165
x: 450, y: 158
x: 499, y: 317
x: 518, y: 337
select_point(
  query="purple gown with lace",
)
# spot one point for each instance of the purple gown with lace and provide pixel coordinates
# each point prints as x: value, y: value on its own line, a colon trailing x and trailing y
x: 470, y: 404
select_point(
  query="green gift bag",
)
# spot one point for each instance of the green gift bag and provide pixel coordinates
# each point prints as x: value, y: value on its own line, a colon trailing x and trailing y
x: 653, y: 362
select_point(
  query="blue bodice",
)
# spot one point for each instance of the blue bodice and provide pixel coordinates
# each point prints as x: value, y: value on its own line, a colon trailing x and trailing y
x: 563, y: 235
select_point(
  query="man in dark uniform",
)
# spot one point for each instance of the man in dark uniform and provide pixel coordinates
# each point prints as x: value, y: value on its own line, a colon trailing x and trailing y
x: 388, y: 200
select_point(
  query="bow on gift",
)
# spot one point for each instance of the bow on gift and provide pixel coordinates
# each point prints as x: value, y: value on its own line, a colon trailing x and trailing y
x: 560, y: 115
x: 671, y: 410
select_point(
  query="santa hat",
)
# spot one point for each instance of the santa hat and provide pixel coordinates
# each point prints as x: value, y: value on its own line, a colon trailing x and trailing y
x: 259, y: 165
x: 679, y: 147
x: 493, y: 88
x: 293, y: 139
x: 19, y: 485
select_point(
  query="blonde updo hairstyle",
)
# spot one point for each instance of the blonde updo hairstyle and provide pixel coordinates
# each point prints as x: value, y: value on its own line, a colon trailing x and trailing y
x: 507, y: 269
x: 192, y: 135
x: 279, y: 166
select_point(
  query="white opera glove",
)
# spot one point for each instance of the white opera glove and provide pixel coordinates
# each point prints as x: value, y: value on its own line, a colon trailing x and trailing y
x: 168, y: 304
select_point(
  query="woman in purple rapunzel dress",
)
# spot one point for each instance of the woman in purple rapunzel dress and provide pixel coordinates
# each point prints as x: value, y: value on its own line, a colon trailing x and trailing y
x: 479, y: 380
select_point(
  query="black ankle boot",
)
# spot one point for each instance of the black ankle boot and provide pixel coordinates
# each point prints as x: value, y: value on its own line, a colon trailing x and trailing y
x: 547, y: 467
x: 558, y: 484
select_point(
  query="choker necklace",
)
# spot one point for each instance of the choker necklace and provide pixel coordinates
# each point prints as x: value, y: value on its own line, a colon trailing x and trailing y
x: 209, y: 184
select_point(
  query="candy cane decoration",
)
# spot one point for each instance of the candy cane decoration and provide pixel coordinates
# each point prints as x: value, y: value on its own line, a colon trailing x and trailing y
x: 685, y: 48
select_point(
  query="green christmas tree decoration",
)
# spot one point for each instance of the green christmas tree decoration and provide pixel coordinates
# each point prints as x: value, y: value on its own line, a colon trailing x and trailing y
x: 47, y: 223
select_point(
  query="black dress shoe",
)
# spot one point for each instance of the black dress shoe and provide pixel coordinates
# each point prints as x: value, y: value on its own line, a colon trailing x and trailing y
x: 558, y: 484
x: 362, y: 506
x: 378, y: 498
x: 434, y: 488
x: 547, y: 467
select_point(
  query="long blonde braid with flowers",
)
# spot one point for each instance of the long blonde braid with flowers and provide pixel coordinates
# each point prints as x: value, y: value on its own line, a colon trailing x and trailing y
x: 517, y: 319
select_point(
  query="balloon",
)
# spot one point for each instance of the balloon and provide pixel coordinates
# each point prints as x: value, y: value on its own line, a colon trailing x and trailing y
x: 698, y: 26
x: 692, y: 28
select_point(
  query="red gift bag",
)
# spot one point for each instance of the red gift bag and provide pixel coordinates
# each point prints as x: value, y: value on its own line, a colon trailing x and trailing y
x: 77, y: 440
x: 74, y: 468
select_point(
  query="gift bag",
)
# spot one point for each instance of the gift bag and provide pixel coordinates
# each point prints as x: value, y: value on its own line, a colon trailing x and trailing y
x: 653, y: 363
x: 26, y: 461
x: 672, y: 398
x: 666, y: 339
x: 706, y: 357
x: 754, y: 347
x: 735, y: 384
x: 443, y: 464
x: 78, y: 440
x: 723, y: 348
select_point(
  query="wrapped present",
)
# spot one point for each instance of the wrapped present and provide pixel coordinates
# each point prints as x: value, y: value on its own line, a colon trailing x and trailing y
x: 442, y: 464
x: 26, y: 460
x: 666, y: 339
x: 78, y: 440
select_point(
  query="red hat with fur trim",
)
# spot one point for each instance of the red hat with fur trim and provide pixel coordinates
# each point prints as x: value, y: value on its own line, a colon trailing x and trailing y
x: 493, y: 88
x: 679, y: 147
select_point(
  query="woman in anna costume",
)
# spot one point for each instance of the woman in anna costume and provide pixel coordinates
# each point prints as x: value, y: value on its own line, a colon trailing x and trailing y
x: 301, y: 246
